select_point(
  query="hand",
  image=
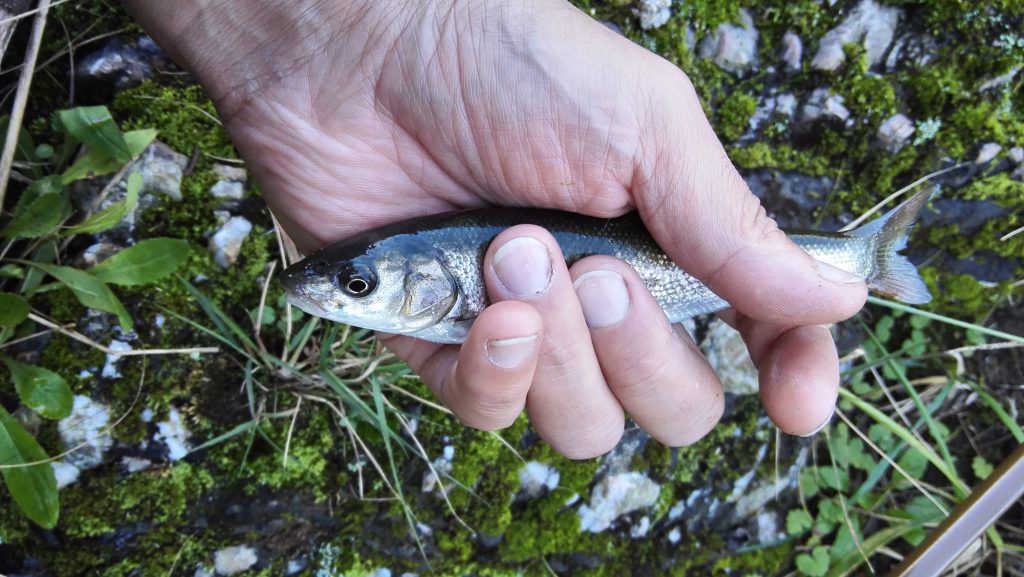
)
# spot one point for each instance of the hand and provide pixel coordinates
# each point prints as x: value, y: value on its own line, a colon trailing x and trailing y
x: 354, y: 113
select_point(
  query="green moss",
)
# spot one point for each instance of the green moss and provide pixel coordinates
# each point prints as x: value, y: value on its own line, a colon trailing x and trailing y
x: 782, y: 157
x: 733, y: 115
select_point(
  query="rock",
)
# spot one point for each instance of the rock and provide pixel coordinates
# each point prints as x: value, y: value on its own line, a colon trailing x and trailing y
x: 869, y: 24
x: 536, y: 478
x: 226, y: 243
x: 733, y: 48
x: 790, y: 197
x: 230, y: 172
x: 782, y: 107
x: 617, y: 495
x: 988, y: 152
x: 97, y: 253
x: 999, y: 81
x: 911, y: 50
x: 894, y: 133
x: 229, y: 189
x: 161, y: 168
x: 110, y: 367
x: 1015, y: 155
x: 232, y: 560
x: 822, y: 105
x: 792, y: 51
x: 653, y: 13
x: 442, y: 467
x: 727, y: 354
x: 640, y: 530
x: 119, y: 64
x: 173, y: 433
x: 84, y: 431
x: 135, y: 464
x: 66, y: 473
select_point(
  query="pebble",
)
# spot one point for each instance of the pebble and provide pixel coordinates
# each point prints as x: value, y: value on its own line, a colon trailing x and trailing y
x: 653, y: 13
x: 999, y: 81
x: 617, y: 495
x: 66, y: 473
x: 84, y: 430
x: 232, y: 560
x: 226, y: 243
x: 869, y: 24
x: 674, y: 535
x: 988, y: 151
x: 229, y: 189
x: 231, y: 172
x: 119, y: 64
x: 792, y: 51
x: 161, y: 168
x: 536, y: 478
x: 894, y: 133
x: 821, y: 104
x: 110, y: 366
x: 135, y: 464
x: 173, y: 433
x: 727, y: 354
x: 1016, y: 155
x: 733, y: 48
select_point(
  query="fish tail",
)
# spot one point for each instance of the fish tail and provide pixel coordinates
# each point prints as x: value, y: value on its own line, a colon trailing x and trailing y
x: 895, y: 276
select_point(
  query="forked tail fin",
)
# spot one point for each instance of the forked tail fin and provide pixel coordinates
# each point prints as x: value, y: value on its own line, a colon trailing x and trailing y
x: 894, y: 275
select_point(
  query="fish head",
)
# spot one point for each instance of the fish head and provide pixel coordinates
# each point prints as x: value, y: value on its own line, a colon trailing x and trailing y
x: 397, y: 285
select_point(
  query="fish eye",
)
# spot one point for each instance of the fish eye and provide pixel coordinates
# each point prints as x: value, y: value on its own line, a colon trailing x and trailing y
x: 356, y: 280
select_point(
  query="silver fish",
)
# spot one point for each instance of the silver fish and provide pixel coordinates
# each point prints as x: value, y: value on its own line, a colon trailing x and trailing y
x: 423, y: 277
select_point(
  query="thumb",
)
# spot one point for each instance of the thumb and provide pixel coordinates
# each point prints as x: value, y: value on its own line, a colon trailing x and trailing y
x: 704, y: 216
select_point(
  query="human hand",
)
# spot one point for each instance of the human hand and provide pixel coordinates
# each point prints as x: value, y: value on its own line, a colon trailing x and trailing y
x: 354, y: 114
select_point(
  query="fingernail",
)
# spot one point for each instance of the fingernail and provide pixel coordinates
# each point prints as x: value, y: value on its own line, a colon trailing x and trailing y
x: 509, y: 353
x: 836, y: 275
x: 603, y: 296
x: 823, y: 425
x: 523, y: 266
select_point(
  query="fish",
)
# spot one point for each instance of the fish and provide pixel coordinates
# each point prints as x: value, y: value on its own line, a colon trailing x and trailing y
x: 423, y: 277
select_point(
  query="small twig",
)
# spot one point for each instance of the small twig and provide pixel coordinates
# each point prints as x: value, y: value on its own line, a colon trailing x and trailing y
x: 263, y: 302
x: 1011, y: 234
x: 139, y: 352
x: 21, y: 97
x: 41, y: 8
x: 897, y: 194
x: 291, y: 430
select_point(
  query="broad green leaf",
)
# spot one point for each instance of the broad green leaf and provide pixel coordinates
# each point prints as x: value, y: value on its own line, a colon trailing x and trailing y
x: 89, y: 165
x: 40, y: 217
x: 143, y: 263
x: 798, y: 521
x: 138, y: 140
x: 109, y: 217
x: 815, y: 564
x: 13, y: 309
x: 46, y: 253
x: 95, y: 128
x: 46, y: 185
x: 89, y: 290
x: 41, y: 390
x: 34, y: 488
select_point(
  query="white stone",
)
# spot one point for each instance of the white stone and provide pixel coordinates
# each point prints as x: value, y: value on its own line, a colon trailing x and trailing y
x: 173, y: 433
x: 617, y: 495
x: 536, y: 478
x: 768, y: 527
x: 1016, y: 155
x: 869, y: 24
x: 988, y: 151
x: 232, y: 560
x: 895, y: 132
x: 230, y: 189
x: 677, y: 510
x: 228, y: 172
x: 147, y: 415
x: 110, y: 366
x: 448, y: 452
x: 727, y: 354
x: 792, y: 51
x: 641, y: 529
x: 733, y: 48
x: 821, y: 104
x: 1000, y: 81
x: 382, y: 572
x: 161, y: 169
x: 226, y: 243
x: 65, y: 473
x: 84, y: 431
x: 135, y: 464
x: 674, y: 535
x: 653, y: 13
